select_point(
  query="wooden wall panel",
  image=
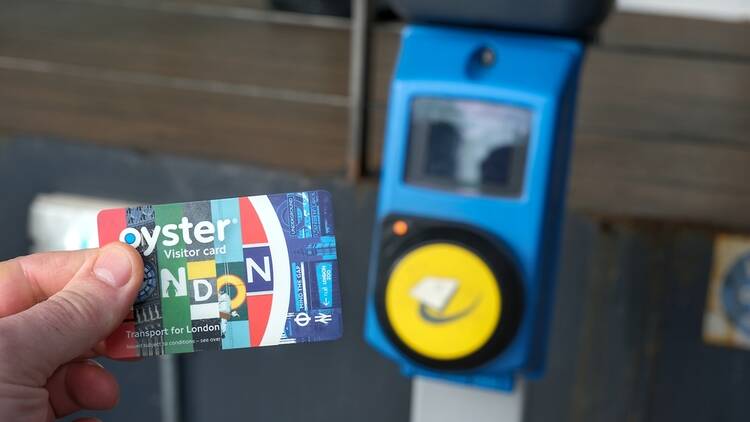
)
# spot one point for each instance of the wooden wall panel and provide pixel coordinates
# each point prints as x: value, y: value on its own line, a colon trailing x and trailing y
x: 662, y: 129
x: 660, y: 179
x: 148, y: 118
x: 662, y: 34
x: 689, y: 99
x: 291, y: 58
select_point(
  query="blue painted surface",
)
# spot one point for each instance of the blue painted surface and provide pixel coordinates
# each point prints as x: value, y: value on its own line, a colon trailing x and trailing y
x: 534, y: 72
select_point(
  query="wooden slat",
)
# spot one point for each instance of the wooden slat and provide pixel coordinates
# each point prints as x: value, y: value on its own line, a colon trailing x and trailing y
x: 678, y: 35
x: 267, y: 132
x: 660, y: 179
x: 376, y: 137
x: 385, y: 43
x: 683, y: 98
x: 287, y: 57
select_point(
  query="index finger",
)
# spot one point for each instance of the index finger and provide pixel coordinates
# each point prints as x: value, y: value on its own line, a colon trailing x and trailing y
x: 28, y: 280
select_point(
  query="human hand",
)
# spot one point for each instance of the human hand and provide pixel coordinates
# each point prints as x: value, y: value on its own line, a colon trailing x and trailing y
x: 55, y: 310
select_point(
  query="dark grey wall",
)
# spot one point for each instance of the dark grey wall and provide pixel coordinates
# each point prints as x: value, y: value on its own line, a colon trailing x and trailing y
x: 625, y: 342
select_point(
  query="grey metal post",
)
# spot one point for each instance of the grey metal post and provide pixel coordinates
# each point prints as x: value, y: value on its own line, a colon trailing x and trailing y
x: 169, y: 387
x: 440, y: 401
x: 359, y: 82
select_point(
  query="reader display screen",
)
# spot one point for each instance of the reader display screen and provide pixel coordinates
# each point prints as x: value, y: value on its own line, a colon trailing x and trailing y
x: 468, y: 146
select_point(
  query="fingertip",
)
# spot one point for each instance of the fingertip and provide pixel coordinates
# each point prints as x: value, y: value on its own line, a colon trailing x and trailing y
x: 82, y: 385
x: 136, y: 262
x: 91, y: 386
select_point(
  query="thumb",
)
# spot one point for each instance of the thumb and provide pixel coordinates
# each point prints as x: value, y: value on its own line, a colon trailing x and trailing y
x: 85, y: 311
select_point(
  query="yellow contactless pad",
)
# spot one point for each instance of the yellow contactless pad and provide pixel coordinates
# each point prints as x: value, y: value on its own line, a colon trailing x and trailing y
x: 443, y: 301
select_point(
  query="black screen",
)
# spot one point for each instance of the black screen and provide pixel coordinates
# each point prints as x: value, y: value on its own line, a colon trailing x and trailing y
x: 468, y: 146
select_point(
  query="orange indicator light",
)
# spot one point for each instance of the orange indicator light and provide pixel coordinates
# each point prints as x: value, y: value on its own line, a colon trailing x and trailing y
x: 400, y: 227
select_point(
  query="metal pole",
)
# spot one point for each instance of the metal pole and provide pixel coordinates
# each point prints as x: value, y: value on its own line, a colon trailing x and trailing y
x: 169, y: 384
x: 359, y: 81
x: 440, y: 401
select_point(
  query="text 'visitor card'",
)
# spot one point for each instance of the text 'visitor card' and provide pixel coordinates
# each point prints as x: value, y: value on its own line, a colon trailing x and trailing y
x: 229, y: 273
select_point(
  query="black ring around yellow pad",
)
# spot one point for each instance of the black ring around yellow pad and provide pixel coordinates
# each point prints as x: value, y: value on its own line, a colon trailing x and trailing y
x: 467, y: 301
x: 454, y: 329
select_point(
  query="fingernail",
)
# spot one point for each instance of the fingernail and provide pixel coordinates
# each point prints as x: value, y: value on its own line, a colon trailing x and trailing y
x: 113, y: 267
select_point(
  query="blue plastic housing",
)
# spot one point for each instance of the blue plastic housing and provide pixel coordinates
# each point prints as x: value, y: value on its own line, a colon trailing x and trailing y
x: 535, y: 72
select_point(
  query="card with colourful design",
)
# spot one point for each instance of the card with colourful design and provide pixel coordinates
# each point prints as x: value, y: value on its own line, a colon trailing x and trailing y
x: 229, y: 273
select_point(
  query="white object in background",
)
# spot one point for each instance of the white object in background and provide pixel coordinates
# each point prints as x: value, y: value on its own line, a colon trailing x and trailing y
x: 724, y: 10
x: 60, y: 221
x: 439, y: 401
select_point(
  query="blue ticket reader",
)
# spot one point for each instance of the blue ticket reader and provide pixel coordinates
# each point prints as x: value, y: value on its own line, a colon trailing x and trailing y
x: 471, y: 200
